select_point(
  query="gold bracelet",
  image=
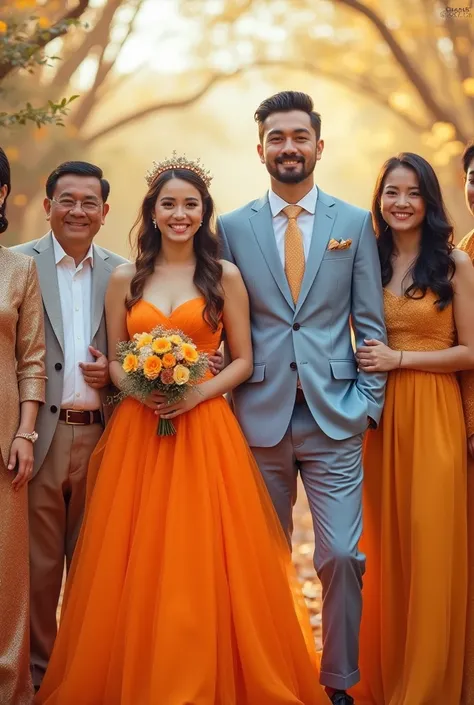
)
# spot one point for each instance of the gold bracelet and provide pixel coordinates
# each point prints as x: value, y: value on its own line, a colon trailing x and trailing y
x: 401, y: 359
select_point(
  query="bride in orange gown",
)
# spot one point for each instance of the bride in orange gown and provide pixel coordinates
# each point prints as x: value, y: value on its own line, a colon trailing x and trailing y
x: 182, y: 590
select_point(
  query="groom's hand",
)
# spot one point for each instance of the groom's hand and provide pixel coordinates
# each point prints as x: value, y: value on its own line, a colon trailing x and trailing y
x: 216, y: 362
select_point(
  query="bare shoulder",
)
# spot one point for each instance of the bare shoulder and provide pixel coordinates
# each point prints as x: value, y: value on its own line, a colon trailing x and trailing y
x: 461, y: 259
x: 230, y: 273
x: 124, y: 273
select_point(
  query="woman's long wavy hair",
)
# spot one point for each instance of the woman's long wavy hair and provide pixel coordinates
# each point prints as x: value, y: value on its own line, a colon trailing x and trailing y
x: 147, y: 240
x: 434, y: 267
x: 5, y: 180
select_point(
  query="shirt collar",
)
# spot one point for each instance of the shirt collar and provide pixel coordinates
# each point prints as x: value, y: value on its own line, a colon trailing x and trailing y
x: 308, y: 202
x: 60, y: 254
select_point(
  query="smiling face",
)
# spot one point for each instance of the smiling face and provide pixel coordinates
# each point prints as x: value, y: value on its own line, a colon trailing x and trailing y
x: 179, y: 210
x: 76, y: 211
x: 469, y: 187
x: 402, y: 206
x: 289, y: 148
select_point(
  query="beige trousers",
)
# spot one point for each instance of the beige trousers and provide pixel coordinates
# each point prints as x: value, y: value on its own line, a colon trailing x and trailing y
x: 56, y: 508
x: 15, y: 683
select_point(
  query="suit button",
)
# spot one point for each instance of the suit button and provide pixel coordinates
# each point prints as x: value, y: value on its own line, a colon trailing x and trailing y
x: 293, y: 365
x: 296, y: 326
x: 58, y: 366
x: 53, y: 409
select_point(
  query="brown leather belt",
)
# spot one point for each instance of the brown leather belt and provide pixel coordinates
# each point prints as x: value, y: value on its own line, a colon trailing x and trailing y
x: 300, y: 398
x: 80, y: 418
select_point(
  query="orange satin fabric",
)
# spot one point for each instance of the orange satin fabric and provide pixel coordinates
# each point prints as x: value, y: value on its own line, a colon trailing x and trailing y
x: 413, y: 624
x: 182, y: 591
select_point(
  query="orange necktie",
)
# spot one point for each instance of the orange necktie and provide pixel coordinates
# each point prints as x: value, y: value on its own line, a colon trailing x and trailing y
x: 294, y: 251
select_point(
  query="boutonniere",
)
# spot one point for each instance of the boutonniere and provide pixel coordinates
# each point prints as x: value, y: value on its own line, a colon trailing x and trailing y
x: 339, y: 244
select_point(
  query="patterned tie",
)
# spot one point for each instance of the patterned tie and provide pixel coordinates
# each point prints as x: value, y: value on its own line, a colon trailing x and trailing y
x: 294, y: 251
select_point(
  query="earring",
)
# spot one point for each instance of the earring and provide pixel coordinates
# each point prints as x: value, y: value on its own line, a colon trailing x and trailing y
x: 154, y: 222
x: 200, y: 224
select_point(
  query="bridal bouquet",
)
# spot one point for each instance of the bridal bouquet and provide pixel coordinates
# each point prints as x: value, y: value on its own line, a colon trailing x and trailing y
x: 166, y: 361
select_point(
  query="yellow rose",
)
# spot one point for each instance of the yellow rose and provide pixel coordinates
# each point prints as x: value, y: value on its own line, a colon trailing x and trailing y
x: 176, y: 339
x: 152, y: 367
x: 130, y: 364
x: 190, y: 353
x: 181, y: 374
x: 143, y: 339
x: 169, y: 360
x: 3, y: 27
x: 161, y: 346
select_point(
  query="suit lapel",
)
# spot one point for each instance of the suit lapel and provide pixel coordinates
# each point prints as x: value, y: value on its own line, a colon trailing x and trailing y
x: 48, y: 279
x: 262, y: 226
x: 324, y: 218
x: 100, y: 277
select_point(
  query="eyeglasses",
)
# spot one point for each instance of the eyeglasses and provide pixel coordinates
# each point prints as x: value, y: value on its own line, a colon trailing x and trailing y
x: 67, y: 204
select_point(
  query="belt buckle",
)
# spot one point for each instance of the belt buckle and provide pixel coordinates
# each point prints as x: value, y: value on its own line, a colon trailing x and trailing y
x: 73, y: 423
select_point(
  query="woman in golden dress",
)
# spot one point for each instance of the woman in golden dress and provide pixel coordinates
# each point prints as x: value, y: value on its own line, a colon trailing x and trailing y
x: 415, y: 530
x: 22, y: 389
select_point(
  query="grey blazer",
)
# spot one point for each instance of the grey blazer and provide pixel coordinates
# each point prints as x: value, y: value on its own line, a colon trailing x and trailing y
x: 311, y: 340
x: 104, y: 263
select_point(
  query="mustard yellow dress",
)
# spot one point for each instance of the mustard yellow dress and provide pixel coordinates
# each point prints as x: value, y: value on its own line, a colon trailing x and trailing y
x: 415, y: 534
x: 467, y: 384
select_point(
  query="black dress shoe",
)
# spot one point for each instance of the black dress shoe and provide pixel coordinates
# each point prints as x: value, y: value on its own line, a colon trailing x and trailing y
x: 340, y: 697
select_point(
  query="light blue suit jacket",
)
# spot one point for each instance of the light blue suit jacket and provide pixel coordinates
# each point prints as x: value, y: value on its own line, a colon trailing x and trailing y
x: 340, y: 287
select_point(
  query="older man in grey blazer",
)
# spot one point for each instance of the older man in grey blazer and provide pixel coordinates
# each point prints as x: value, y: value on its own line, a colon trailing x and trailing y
x: 73, y: 275
x: 311, y: 267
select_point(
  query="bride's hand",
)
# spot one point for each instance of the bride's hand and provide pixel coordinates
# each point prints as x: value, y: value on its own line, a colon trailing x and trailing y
x: 170, y: 411
x: 153, y: 400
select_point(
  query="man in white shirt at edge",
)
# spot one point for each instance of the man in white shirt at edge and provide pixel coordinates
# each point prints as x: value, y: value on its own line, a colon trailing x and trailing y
x: 73, y: 274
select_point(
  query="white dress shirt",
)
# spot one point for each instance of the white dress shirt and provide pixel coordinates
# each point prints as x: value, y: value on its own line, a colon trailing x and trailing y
x: 305, y: 220
x: 75, y: 293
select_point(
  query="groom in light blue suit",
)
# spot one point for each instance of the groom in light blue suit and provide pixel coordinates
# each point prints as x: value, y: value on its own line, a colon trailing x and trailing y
x: 306, y: 406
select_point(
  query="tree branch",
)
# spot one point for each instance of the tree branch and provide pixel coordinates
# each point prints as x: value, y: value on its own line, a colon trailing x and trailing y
x: 216, y: 78
x: 437, y: 111
x: 41, y: 39
x: 97, y: 36
x: 459, y: 31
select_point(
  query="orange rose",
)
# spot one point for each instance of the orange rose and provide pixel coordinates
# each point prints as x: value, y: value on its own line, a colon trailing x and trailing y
x: 152, y: 367
x: 161, y: 346
x: 181, y: 374
x: 130, y: 363
x: 190, y: 353
x: 169, y: 360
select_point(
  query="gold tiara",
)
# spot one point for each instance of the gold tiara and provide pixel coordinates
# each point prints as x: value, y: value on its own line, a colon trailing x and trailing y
x: 178, y: 163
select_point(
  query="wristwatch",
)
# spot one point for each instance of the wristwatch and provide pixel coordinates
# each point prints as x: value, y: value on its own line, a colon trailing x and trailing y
x: 33, y: 437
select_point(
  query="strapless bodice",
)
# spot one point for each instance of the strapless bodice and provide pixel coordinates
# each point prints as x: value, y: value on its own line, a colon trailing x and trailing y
x: 187, y: 317
x: 418, y: 324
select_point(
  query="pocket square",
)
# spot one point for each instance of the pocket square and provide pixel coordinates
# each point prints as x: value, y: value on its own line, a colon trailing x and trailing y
x: 339, y: 244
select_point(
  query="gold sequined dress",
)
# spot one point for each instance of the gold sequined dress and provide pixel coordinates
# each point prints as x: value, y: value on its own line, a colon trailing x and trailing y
x: 415, y: 532
x: 22, y: 378
x: 467, y: 379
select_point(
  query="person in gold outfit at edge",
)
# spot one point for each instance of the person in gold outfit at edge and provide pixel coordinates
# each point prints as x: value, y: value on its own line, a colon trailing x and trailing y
x: 22, y: 352
x: 467, y: 244
x: 415, y: 527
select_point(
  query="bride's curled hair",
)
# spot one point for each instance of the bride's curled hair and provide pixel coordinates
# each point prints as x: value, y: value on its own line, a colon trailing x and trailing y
x: 147, y: 240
